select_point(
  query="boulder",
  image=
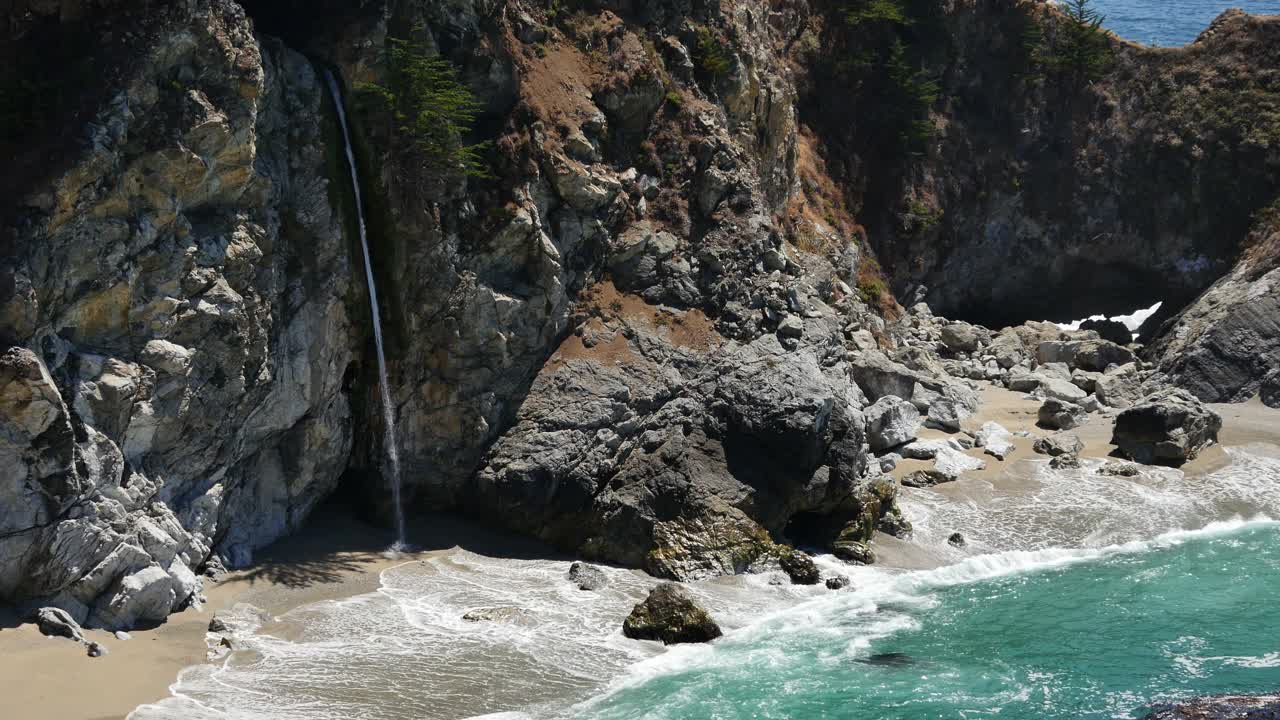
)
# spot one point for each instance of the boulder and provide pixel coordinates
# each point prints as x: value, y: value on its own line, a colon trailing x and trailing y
x: 1086, y: 380
x: 925, y: 478
x: 1058, y: 415
x: 144, y: 596
x: 56, y: 622
x: 995, y: 440
x: 1119, y: 387
x: 1062, y: 390
x: 951, y: 407
x: 1022, y: 381
x: 799, y: 567
x: 1007, y: 349
x: 891, y: 421
x: 1098, y: 355
x: 1109, y: 330
x: 1120, y: 469
x: 956, y: 540
x: 960, y: 337
x: 953, y: 463
x: 587, y: 577
x: 837, y: 582
x: 669, y: 614
x: 1059, y: 444
x: 928, y: 449
x: 853, y: 551
x: 1169, y: 427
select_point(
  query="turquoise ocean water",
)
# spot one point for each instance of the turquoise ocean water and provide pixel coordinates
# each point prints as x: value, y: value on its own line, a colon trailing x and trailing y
x: 1024, y: 635
x: 1172, y: 22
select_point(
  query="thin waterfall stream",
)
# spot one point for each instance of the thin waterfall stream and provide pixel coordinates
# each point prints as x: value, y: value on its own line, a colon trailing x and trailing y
x: 388, y: 415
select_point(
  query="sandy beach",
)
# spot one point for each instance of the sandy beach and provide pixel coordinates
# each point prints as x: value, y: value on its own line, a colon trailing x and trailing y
x: 334, y: 556
x: 337, y: 556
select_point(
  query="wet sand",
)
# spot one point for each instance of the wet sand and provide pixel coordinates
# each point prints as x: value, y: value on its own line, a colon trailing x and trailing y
x: 334, y: 556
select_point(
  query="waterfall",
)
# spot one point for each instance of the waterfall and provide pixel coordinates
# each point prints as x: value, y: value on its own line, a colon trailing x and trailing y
x: 388, y: 415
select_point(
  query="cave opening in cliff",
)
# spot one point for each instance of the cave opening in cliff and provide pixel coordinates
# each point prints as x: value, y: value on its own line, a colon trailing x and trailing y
x: 1080, y: 290
x: 299, y: 22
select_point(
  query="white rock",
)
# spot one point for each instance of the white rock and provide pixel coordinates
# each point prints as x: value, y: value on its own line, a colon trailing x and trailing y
x: 995, y: 440
x: 891, y: 421
x: 952, y: 462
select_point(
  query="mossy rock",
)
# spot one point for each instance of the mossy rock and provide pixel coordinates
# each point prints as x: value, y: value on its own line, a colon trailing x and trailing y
x: 669, y: 614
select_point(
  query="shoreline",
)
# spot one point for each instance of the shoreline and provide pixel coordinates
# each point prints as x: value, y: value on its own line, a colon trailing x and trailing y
x: 336, y: 556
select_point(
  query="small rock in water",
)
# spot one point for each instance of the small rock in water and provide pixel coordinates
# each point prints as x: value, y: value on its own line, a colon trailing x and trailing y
x: 669, y: 614
x: 1220, y: 707
x: 587, y: 577
x: 1119, y: 469
x: 96, y: 649
x: 853, y: 551
x: 218, y: 624
x: 491, y: 614
x: 1066, y: 461
x: 956, y: 540
x: 925, y: 478
x: 837, y: 582
x: 799, y: 567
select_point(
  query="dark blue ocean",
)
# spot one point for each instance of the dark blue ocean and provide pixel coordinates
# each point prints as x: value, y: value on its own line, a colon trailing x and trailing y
x: 1172, y: 22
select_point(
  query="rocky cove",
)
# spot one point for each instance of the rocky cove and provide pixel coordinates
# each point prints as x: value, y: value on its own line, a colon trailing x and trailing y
x: 693, y: 316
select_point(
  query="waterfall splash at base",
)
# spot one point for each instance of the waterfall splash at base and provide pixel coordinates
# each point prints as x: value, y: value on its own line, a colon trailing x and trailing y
x: 388, y: 414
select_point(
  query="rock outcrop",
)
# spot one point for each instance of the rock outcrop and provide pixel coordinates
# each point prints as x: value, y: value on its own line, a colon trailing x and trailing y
x: 669, y: 614
x: 1220, y: 707
x: 177, y: 314
x: 1168, y: 427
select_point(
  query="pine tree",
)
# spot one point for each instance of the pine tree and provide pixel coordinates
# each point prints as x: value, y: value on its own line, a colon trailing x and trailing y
x: 431, y: 107
x: 1085, y: 53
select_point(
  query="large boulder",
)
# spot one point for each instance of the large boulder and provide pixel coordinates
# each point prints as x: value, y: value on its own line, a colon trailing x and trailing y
x: 960, y: 337
x: 670, y: 614
x: 587, y: 577
x: 1059, y: 415
x: 1063, y: 390
x: 952, y: 406
x: 56, y: 622
x: 891, y: 421
x: 799, y: 567
x: 1168, y: 427
x: 1120, y: 386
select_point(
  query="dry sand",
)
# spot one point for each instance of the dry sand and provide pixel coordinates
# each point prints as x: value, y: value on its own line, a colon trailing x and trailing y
x: 337, y: 556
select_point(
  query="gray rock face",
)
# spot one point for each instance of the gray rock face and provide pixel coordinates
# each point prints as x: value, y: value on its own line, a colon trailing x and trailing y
x: 1059, y: 444
x: 891, y: 421
x: 670, y: 614
x: 1058, y: 415
x: 960, y: 337
x: 1225, y: 345
x: 174, y: 388
x: 1168, y: 427
x: 684, y: 458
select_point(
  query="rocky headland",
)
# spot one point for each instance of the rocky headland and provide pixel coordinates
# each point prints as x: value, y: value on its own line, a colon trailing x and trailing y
x: 684, y: 320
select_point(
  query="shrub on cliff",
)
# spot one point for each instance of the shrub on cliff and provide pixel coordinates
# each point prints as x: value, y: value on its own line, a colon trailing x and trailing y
x: 430, y: 107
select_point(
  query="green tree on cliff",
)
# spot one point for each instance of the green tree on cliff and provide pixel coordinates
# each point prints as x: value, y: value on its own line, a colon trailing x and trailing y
x: 431, y: 107
x: 1078, y: 49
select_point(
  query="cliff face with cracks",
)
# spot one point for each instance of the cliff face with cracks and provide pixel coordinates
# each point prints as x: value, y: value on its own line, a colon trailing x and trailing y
x: 649, y: 338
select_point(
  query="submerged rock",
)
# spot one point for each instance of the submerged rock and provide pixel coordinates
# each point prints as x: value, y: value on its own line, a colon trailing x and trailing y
x: 1168, y: 427
x: 1220, y: 707
x: 1068, y: 461
x: 669, y: 614
x: 1120, y: 469
x: 837, y: 582
x: 925, y: 478
x: 587, y: 577
x: 956, y: 540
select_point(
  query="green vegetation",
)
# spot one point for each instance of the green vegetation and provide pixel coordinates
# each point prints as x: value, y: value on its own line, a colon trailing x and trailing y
x: 919, y: 219
x: 713, y: 57
x: 430, y: 107
x: 675, y: 99
x: 885, y: 66
x: 871, y: 288
x: 1077, y: 50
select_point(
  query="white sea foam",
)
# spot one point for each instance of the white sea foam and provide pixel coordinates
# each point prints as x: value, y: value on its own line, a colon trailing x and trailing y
x: 405, y: 651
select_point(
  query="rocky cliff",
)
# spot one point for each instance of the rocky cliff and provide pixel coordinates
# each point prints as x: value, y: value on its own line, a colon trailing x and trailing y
x: 649, y: 334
